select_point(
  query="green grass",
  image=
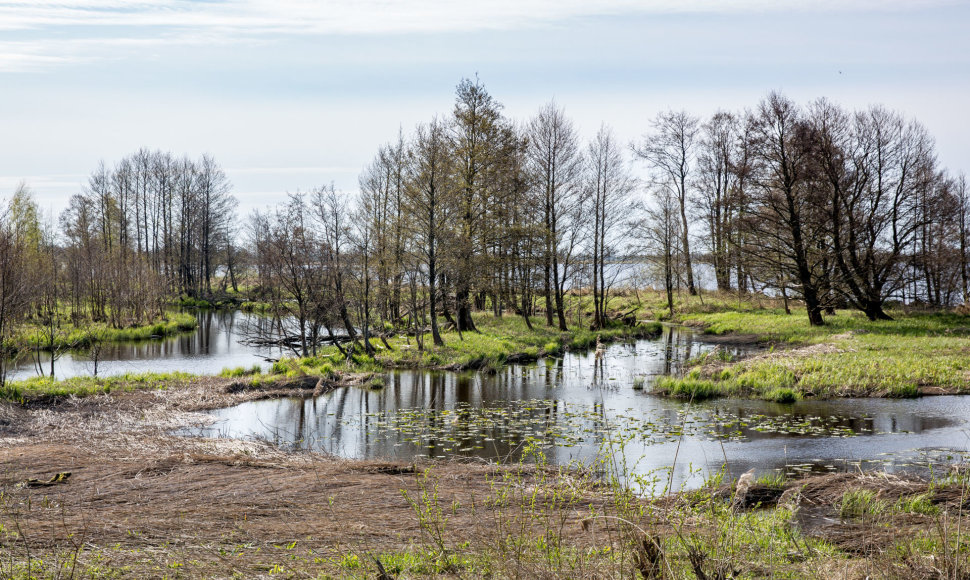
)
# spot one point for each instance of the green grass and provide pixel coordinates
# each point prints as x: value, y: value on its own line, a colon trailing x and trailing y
x: 241, y: 371
x: 866, y: 503
x: 688, y: 388
x: 255, y: 307
x: 69, y: 336
x: 44, y: 388
x: 852, y: 356
x: 226, y: 299
x: 499, y: 341
x: 858, y: 503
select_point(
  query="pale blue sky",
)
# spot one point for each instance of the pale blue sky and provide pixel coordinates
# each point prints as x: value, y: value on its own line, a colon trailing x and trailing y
x: 290, y: 94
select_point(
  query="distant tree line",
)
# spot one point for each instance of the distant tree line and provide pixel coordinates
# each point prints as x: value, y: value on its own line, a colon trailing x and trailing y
x: 152, y: 227
x: 839, y: 208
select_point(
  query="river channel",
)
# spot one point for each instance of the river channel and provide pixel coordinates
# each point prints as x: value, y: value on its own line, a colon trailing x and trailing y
x: 573, y: 408
x: 577, y: 408
x: 217, y: 342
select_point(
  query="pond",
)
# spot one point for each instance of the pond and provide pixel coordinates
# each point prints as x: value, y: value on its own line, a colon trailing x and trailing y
x: 216, y: 343
x: 577, y: 408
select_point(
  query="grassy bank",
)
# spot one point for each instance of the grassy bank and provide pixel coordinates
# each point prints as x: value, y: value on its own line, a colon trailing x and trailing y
x: 69, y: 336
x: 43, y: 389
x: 917, y: 353
x: 497, y: 342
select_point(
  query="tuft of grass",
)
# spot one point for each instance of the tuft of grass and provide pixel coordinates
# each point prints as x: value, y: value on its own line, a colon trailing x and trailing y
x: 782, y: 395
x: 858, y: 503
x: 639, y: 382
x: 690, y: 388
x: 772, y: 479
x: 241, y: 371
x: 921, y: 503
x: 552, y: 347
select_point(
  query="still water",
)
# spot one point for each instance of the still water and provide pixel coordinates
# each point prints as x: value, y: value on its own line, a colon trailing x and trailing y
x: 217, y: 342
x: 577, y: 408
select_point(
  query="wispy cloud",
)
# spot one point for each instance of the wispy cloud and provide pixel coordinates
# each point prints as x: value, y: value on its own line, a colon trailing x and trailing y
x: 376, y: 16
x: 72, y: 31
x: 8, y: 183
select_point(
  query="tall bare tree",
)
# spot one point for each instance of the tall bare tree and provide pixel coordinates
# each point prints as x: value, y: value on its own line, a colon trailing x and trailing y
x: 670, y: 150
x: 556, y: 165
x: 430, y: 175
x: 609, y: 185
x: 787, y: 214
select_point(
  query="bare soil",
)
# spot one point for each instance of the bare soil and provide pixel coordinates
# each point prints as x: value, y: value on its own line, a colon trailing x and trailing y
x: 158, y: 503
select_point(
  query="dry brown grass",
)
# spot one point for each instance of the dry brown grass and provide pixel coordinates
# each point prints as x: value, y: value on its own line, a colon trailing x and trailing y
x: 215, y: 507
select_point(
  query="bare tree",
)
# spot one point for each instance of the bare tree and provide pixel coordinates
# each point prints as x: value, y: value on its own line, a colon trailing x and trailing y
x: 474, y: 140
x: 670, y: 150
x: 429, y: 183
x: 556, y: 166
x: 15, y: 288
x: 718, y: 184
x: 659, y: 233
x: 963, y: 200
x: 875, y: 166
x: 787, y: 214
x: 609, y: 185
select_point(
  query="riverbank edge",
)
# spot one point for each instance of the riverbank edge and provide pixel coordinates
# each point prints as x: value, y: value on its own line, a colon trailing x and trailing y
x: 72, y: 338
x: 314, y: 375
x: 758, y: 376
x: 581, y: 340
x: 42, y: 392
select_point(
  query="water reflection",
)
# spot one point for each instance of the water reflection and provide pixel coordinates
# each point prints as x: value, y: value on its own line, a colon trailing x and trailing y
x: 216, y: 343
x: 578, y: 408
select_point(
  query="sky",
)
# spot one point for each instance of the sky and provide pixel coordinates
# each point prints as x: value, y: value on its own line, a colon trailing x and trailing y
x: 289, y: 95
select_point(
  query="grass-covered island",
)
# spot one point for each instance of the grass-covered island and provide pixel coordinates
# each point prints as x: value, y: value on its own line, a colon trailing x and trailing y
x: 915, y: 353
x: 38, y: 334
